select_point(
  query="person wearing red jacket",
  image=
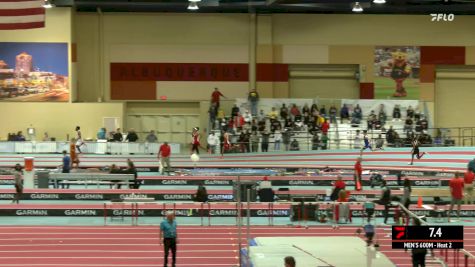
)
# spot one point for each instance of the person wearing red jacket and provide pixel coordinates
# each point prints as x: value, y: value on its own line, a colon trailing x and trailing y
x: 468, y: 186
x: 358, y: 174
x: 325, y: 127
x: 164, y: 157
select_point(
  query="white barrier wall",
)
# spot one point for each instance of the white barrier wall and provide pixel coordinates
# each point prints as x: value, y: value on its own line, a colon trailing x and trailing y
x: 368, y: 105
x: 266, y: 104
x: 88, y: 148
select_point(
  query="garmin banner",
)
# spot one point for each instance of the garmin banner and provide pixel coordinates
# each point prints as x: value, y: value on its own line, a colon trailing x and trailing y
x: 355, y: 213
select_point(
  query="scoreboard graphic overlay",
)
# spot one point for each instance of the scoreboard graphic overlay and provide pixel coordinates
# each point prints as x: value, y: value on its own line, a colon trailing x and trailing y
x: 428, y: 237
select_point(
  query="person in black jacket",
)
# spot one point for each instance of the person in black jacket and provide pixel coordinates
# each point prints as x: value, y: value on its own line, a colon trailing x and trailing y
x: 201, y: 194
x: 132, y: 136
x: 132, y: 170
x: 385, y: 200
x: 117, y: 137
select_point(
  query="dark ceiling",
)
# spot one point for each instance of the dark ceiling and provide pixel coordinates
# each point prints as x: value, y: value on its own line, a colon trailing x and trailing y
x: 276, y: 6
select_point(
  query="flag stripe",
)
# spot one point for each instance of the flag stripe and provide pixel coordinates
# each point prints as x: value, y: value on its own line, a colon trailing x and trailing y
x: 21, y: 26
x: 21, y: 5
x: 22, y: 12
x: 22, y: 19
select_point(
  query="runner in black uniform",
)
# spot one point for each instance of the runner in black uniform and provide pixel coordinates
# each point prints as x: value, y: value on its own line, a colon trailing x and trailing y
x: 415, y: 150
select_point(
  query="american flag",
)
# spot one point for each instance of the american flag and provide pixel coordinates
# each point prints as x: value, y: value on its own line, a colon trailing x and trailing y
x: 21, y: 14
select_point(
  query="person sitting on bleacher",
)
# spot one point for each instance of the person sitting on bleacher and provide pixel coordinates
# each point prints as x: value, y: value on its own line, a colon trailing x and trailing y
x: 273, y: 114
x: 371, y: 120
x: 355, y: 121
x: 424, y: 123
x: 410, y: 112
x: 294, y: 111
x: 408, y: 125
x: 382, y: 117
x: 379, y: 142
x: 294, y: 145
x: 396, y: 113
x: 357, y: 111
x: 284, y: 112
x: 333, y: 111
x: 344, y: 113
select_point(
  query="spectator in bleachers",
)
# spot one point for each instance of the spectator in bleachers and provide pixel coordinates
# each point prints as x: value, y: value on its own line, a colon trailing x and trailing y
x: 418, y: 127
x: 315, y: 141
x: 286, y: 136
x: 213, y: 112
x: 254, y: 125
x: 323, y: 111
x: 216, y: 97
x: 284, y: 112
x: 333, y: 111
x: 265, y: 141
x: 213, y: 142
x: 468, y: 186
x: 355, y: 120
x: 273, y: 114
x: 288, y: 123
x: 306, y: 118
x: 425, y: 138
x: 325, y: 126
x: 234, y: 111
x: 238, y: 121
x: 344, y: 113
x: 417, y: 114
x: 20, y: 137
x: 151, y: 137
x: 410, y: 112
x: 253, y: 99
x: 379, y: 142
x: 261, y: 116
x: 424, y: 123
x: 408, y: 124
x: 294, y: 111
x: 294, y: 145
x: 371, y: 121
x: 357, y: 140
x: 101, y: 134
x: 325, y: 140
x: 261, y: 125
x: 277, y: 139
x: 289, y: 261
x: 390, y: 136
x: 220, y: 115
x: 305, y: 108
x: 132, y: 136
x: 382, y: 117
x: 396, y: 112
x: 118, y: 137
x: 275, y: 125
x: 313, y: 110
x: 247, y: 117
x: 357, y: 111
x: 254, y: 142
x: 242, y: 142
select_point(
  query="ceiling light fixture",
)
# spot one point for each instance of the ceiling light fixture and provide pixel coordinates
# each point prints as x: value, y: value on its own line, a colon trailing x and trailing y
x: 47, y: 4
x: 379, y: 1
x: 357, y: 7
x: 193, y: 6
x: 196, y: 1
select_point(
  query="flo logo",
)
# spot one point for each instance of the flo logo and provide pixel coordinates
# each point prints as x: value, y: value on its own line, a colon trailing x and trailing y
x: 442, y: 17
x: 400, y: 231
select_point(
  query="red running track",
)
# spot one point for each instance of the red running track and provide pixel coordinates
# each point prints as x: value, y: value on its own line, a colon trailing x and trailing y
x: 126, y: 246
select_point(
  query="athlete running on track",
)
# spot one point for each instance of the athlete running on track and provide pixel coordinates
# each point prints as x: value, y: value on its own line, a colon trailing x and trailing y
x: 367, y: 143
x: 79, y: 142
x: 415, y: 150
x: 195, y: 141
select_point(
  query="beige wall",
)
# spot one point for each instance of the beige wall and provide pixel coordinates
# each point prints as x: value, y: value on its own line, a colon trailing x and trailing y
x: 58, y: 119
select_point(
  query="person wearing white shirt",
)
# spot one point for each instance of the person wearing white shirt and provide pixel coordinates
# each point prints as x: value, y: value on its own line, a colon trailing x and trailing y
x: 212, y: 141
x: 247, y: 117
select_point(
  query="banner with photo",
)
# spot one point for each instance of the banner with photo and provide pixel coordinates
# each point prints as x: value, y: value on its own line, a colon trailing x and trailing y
x: 34, y: 72
x: 396, y: 71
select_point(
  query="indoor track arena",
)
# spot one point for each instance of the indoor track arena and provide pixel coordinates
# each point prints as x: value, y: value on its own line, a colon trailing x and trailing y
x: 233, y: 133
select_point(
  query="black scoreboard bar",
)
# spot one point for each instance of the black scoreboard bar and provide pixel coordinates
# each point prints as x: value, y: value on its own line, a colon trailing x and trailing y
x: 427, y: 237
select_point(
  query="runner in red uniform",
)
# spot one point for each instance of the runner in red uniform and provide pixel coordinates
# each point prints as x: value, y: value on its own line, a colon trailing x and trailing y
x: 195, y: 141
